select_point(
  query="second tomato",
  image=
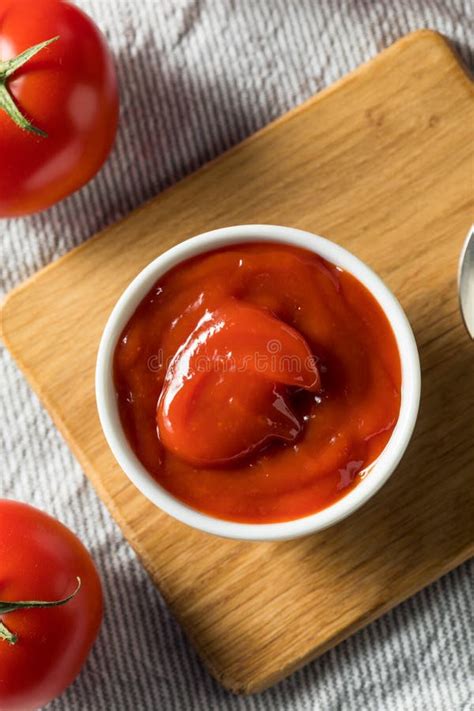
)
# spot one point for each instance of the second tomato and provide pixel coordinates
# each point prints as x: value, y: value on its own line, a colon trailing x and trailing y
x: 50, y: 606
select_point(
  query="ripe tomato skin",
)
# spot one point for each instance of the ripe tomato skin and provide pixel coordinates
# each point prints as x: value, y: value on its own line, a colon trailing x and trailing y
x: 40, y: 560
x: 69, y: 90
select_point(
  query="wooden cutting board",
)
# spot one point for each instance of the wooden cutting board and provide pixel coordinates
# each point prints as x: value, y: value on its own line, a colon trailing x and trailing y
x: 381, y: 162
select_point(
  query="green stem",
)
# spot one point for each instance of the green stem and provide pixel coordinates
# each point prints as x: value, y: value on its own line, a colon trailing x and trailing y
x: 6, y: 607
x: 6, y: 635
x: 7, y: 69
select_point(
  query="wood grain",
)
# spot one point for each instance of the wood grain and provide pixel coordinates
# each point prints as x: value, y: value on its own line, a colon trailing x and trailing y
x: 381, y: 162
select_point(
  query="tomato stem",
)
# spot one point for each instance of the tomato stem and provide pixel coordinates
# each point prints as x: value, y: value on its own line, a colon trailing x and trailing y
x: 7, y: 69
x: 6, y: 607
x: 6, y: 635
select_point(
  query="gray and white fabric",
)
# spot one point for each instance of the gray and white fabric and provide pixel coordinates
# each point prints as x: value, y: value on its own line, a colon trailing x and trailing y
x: 196, y: 77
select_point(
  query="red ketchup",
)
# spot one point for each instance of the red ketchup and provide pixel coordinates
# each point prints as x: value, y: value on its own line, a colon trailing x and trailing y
x: 256, y: 383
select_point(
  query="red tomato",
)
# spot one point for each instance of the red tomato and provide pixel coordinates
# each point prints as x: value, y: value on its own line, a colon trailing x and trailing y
x: 40, y: 559
x: 67, y: 90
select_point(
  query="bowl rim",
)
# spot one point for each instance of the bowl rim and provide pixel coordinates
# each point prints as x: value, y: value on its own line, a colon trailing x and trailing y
x: 377, y: 473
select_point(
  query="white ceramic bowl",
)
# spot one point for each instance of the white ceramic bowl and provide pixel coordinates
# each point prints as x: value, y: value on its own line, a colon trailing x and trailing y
x: 378, y: 472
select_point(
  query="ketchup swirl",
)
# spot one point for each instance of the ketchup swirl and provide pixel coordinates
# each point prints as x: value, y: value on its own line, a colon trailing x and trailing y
x: 257, y: 382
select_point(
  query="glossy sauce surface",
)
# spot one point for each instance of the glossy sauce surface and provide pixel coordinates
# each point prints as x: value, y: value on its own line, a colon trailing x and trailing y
x: 257, y: 382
